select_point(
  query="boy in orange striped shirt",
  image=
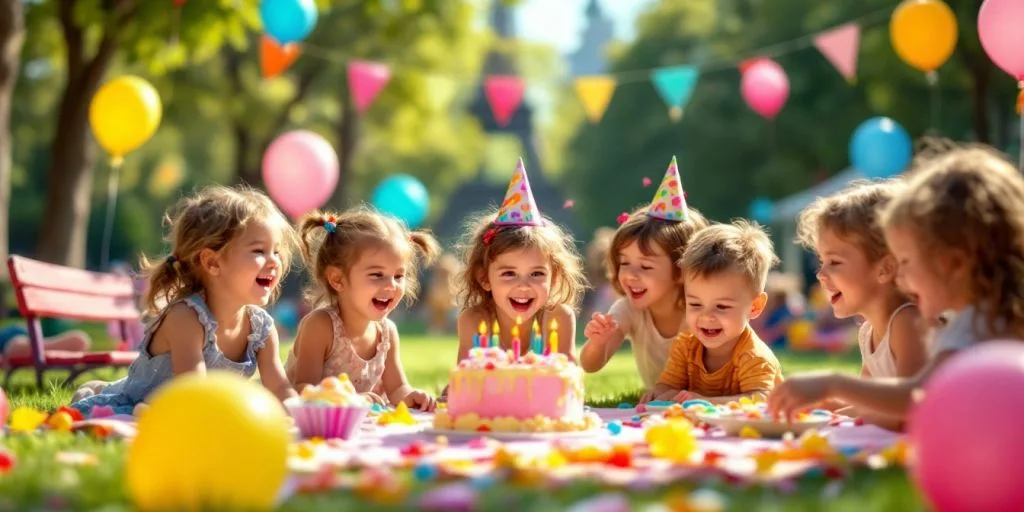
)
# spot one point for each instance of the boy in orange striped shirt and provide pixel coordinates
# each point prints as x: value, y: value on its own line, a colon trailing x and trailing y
x: 720, y: 358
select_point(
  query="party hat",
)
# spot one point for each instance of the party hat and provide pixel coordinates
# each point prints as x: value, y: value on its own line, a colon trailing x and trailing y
x: 669, y: 201
x: 519, y: 208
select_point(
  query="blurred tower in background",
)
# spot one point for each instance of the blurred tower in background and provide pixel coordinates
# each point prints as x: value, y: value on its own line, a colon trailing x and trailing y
x: 589, y: 58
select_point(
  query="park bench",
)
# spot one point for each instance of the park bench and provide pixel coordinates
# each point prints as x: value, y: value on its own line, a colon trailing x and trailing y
x: 45, y: 290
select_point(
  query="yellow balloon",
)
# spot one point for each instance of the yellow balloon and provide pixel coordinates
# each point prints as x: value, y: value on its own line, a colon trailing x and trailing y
x: 210, y: 442
x: 124, y: 114
x: 923, y: 33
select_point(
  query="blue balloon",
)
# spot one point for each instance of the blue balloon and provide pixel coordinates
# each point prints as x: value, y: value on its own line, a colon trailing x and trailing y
x: 762, y: 210
x: 880, y: 148
x: 288, y: 21
x: 403, y: 197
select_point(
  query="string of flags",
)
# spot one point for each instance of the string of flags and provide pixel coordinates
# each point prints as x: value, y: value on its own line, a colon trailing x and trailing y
x: 764, y: 83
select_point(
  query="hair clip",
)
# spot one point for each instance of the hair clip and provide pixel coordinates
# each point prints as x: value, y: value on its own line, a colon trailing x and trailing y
x: 329, y: 223
x: 171, y: 260
x: 489, y: 235
x: 622, y: 218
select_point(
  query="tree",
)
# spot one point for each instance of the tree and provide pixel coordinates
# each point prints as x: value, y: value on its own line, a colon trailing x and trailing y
x: 95, y: 33
x: 12, y: 34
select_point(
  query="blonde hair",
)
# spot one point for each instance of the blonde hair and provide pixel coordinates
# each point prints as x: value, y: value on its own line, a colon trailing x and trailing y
x: 852, y: 214
x: 672, y: 236
x: 567, y: 279
x: 741, y: 247
x: 210, y: 219
x: 971, y: 200
x: 350, y: 234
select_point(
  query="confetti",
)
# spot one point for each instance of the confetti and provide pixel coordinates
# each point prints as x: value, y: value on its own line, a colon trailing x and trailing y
x: 569, y: 203
x: 7, y: 461
x: 449, y: 498
x: 647, y: 182
x: 622, y: 218
x: 60, y: 421
x: 26, y: 419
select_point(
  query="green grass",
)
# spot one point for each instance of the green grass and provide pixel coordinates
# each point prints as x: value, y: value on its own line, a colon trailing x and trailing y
x: 40, y: 482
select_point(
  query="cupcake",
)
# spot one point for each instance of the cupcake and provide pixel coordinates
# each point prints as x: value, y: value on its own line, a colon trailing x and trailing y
x: 331, y: 410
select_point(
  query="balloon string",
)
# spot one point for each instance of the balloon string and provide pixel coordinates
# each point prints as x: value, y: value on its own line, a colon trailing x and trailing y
x: 933, y: 84
x: 108, y: 227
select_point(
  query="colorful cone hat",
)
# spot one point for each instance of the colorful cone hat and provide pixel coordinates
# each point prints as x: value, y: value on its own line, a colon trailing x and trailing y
x: 669, y: 201
x: 519, y: 207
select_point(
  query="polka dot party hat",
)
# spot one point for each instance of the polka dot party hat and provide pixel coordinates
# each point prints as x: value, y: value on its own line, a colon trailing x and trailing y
x: 669, y: 201
x: 519, y: 207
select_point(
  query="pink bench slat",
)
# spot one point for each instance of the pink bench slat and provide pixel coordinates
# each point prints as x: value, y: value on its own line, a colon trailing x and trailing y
x: 113, y: 358
x: 37, y: 274
x: 50, y: 358
x: 73, y: 305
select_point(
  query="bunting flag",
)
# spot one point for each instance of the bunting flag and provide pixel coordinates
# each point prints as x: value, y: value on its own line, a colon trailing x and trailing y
x: 504, y: 94
x: 440, y: 92
x: 675, y: 85
x: 841, y: 46
x: 365, y: 81
x: 276, y: 59
x: 595, y: 93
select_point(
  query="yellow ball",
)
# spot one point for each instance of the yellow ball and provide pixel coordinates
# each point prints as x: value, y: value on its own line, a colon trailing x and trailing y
x: 216, y: 441
x: 124, y: 114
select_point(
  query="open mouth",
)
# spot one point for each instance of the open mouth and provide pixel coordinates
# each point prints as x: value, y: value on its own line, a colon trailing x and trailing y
x: 835, y: 297
x: 520, y: 305
x: 265, y: 281
x: 381, y: 304
x: 636, y: 293
x: 710, y: 333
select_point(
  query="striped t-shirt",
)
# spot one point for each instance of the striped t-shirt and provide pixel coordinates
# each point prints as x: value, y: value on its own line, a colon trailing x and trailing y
x: 753, y: 367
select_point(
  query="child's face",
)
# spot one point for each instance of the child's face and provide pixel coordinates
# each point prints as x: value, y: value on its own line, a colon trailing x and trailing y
x: 519, y: 281
x: 719, y: 307
x: 374, y: 285
x: 646, y: 278
x: 848, y: 280
x: 922, y: 276
x: 250, y: 266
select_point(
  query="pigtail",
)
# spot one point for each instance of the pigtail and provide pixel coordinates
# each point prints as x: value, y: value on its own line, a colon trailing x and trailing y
x: 311, y: 236
x: 426, y: 244
x: 167, y: 281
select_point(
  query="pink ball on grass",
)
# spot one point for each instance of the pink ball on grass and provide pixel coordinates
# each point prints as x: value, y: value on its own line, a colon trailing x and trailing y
x: 966, y: 432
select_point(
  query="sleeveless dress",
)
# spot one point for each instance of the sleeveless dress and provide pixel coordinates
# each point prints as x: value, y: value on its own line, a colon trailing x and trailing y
x: 366, y: 375
x: 881, y: 362
x: 148, y: 372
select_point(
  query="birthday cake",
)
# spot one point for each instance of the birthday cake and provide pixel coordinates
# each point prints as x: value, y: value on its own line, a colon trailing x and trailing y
x: 491, y: 390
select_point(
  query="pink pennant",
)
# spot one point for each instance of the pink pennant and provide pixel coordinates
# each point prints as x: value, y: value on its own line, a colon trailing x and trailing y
x: 841, y: 46
x: 365, y: 81
x: 504, y: 94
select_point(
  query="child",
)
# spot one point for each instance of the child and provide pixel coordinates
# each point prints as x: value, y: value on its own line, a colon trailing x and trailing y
x: 362, y: 264
x: 642, y: 258
x: 957, y: 233
x: 519, y: 268
x: 783, y: 307
x: 441, y: 309
x: 858, y: 276
x: 721, y: 359
x: 230, y: 248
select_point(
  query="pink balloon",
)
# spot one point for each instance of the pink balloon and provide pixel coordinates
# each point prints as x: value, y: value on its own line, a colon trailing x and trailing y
x: 999, y: 28
x: 300, y: 170
x: 765, y: 87
x: 965, y: 433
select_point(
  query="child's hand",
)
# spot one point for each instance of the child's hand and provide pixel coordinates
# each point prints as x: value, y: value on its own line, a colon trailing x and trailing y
x: 667, y: 395
x: 600, y: 328
x: 685, y: 395
x: 417, y: 399
x: 646, y: 397
x: 374, y: 398
x: 797, y: 393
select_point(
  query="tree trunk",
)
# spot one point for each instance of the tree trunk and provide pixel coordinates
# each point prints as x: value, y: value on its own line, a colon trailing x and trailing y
x: 12, y: 34
x: 347, y: 133
x: 62, y: 238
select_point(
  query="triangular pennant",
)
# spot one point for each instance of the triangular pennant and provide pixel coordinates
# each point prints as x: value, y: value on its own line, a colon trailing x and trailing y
x: 595, y: 92
x: 440, y: 92
x: 276, y: 59
x: 676, y: 85
x: 519, y: 207
x: 365, y: 81
x: 504, y: 94
x: 669, y: 201
x: 841, y: 46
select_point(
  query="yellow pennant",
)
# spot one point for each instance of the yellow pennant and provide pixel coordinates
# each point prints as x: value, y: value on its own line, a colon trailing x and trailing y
x: 595, y: 92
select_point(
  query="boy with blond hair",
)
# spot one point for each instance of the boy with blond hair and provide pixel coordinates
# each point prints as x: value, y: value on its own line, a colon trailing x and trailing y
x: 720, y: 358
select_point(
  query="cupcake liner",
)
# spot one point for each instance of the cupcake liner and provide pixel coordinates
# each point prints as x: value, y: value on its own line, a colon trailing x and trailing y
x: 327, y: 422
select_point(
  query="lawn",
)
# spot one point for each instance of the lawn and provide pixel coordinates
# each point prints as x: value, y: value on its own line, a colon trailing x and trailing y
x: 39, y: 481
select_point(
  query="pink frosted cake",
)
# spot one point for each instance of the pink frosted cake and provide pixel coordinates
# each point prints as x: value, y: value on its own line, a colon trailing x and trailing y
x: 489, y: 391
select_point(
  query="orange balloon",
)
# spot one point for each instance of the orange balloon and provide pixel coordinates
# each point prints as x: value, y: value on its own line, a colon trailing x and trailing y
x: 274, y: 58
x: 923, y: 33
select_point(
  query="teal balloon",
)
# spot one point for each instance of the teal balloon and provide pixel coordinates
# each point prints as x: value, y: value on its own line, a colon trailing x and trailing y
x: 762, y: 210
x: 403, y: 197
x: 880, y: 148
x: 288, y: 21
x: 676, y: 84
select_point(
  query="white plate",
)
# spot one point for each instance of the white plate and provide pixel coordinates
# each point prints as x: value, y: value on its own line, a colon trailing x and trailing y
x: 733, y: 426
x: 515, y: 436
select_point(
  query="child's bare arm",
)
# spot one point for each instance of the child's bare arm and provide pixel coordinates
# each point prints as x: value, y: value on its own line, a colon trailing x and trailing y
x: 907, y: 342
x: 272, y: 375
x: 604, y: 337
x: 566, y: 319
x: 467, y: 326
x: 181, y: 334
x: 312, y: 343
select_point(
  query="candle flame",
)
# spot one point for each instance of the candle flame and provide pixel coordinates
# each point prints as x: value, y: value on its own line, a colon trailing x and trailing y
x: 483, y: 327
x: 515, y: 331
x: 536, y: 327
x: 495, y: 328
x: 519, y: 319
x: 553, y: 325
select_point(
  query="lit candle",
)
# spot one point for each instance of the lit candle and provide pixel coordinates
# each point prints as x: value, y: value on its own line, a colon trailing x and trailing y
x: 515, y: 339
x: 495, y: 334
x: 536, y: 344
x: 481, y: 336
x: 553, y: 336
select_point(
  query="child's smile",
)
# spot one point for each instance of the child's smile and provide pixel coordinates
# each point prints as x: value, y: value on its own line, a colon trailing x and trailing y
x: 520, y: 304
